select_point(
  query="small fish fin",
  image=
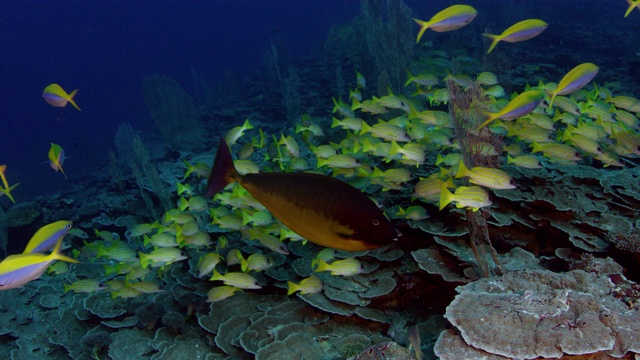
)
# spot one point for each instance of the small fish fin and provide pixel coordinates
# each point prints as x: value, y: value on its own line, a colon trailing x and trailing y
x: 8, y: 192
x: 223, y: 171
x: 490, y: 118
x: 292, y: 287
x: 423, y: 27
x: 57, y: 254
x: 495, y: 39
x: 71, y: 101
x: 62, y: 171
x: 352, y: 236
x: 632, y: 5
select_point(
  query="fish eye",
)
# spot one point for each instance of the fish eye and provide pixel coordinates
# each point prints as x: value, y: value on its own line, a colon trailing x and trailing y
x: 375, y: 222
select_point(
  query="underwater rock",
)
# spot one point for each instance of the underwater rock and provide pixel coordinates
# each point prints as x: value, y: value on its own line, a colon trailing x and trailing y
x: 279, y: 273
x: 240, y: 303
x: 49, y: 301
x: 435, y: 262
x: 579, y: 238
x: 173, y: 319
x: 267, y: 324
x: 67, y: 329
x: 188, y: 346
x: 623, y: 184
x: 102, y: 221
x: 131, y: 344
x: 101, y: 305
x: 129, y: 321
x: 347, y: 297
x: 519, y: 259
x: 95, y: 340
x: 320, y: 301
x: 379, y: 286
x: 229, y: 331
x: 527, y: 314
x: 372, y: 314
x: 451, y: 346
x: 149, y: 314
x: 302, y: 266
x: 385, y: 351
x: 504, y: 218
x: 22, y: 214
x: 386, y: 254
x: 295, y: 346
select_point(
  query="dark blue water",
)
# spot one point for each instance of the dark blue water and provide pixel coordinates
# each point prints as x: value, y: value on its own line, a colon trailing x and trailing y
x: 106, y: 48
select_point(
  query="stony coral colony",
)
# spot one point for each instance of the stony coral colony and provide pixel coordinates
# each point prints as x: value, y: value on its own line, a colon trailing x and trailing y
x: 551, y: 170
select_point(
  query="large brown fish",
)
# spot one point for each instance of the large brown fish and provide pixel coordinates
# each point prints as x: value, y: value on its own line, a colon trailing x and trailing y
x: 322, y: 209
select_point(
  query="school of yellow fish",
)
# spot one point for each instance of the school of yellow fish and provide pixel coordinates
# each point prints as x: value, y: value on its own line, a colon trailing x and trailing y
x: 374, y: 144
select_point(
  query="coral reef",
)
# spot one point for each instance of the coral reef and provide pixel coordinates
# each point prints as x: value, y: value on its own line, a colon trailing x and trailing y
x: 542, y: 314
x: 549, y: 269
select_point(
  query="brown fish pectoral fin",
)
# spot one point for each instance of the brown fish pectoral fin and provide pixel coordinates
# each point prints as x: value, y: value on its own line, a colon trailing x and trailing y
x: 346, y: 236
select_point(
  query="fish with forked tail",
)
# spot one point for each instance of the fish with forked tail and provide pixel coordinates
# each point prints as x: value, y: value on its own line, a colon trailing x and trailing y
x: 322, y: 209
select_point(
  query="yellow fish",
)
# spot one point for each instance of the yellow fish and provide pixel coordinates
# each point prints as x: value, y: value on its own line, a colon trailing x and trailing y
x: 574, y: 80
x: 414, y: 341
x: 17, y: 270
x: 55, y: 95
x: 236, y: 279
x: 220, y: 293
x: 320, y: 208
x: 236, y: 133
x: 452, y: 18
x: 344, y: 267
x: 6, y: 189
x: 521, y: 105
x: 489, y: 177
x: 310, y: 285
x: 47, y: 237
x: 84, y: 286
x: 521, y: 31
x: 473, y: 197
x: 56, y: 158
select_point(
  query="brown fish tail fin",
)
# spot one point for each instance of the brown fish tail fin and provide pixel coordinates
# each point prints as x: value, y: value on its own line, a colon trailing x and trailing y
x: 223, y: 171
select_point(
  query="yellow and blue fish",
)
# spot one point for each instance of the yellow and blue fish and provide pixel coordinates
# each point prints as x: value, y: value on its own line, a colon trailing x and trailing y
x: 55, y: 95
x: 452, y: 18
x: 56, y: 158
x: 574, y: 80
x: 47, y: 237
x: 17, y: 270
x: 521, y: 31
x: 520, y: 106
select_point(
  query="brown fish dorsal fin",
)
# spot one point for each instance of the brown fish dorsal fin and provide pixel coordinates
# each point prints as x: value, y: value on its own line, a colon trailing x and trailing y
x: 223, y: 171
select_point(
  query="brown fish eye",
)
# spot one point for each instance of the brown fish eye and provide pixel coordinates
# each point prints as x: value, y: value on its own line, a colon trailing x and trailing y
x: 375, y: 222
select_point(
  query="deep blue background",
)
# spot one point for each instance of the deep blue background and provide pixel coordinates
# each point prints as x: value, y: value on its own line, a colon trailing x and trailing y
x: 106, y: 48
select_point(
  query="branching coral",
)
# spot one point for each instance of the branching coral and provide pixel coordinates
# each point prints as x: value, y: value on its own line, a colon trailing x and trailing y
x: 628, y: 241
x: 465, y: 108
